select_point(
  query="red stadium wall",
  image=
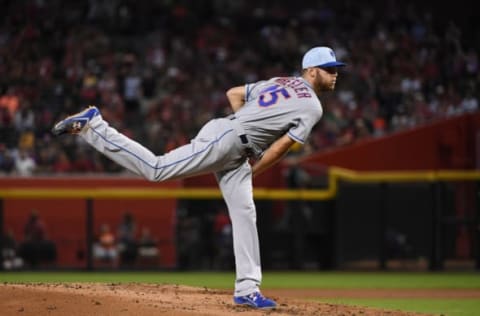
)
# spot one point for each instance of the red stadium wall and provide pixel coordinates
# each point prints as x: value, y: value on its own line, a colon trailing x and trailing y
x: 447, y: 144
x: 66, y: 221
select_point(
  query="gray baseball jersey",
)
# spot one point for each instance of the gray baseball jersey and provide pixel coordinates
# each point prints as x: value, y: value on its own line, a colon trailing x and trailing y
x: 272, y: 108
x: 278, y: 106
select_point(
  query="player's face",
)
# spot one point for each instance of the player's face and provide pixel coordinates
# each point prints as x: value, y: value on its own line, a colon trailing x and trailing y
x: 325, y: 78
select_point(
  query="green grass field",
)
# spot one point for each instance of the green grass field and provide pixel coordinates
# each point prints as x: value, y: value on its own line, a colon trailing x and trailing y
x: 298, y: 280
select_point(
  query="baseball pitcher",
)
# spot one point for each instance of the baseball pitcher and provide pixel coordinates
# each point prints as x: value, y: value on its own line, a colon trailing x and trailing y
x: 269, y: 117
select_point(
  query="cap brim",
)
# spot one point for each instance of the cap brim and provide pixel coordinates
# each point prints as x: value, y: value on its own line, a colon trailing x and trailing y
x: 332, y: 64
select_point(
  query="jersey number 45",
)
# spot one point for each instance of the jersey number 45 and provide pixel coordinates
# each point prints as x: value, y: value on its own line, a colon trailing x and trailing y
x: 270, y: 95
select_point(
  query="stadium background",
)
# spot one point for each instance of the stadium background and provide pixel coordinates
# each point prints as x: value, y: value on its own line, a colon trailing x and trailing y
x: 408, y: 100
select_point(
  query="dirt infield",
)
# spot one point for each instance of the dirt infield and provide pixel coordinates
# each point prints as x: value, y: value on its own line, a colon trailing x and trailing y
x: 155, y: 299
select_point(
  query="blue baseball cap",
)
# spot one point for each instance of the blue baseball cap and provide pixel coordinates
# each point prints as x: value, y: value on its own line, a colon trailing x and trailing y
x: 321, y: 56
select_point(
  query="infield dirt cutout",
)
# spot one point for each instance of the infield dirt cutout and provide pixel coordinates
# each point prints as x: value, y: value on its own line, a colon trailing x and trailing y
x: 82, y: 299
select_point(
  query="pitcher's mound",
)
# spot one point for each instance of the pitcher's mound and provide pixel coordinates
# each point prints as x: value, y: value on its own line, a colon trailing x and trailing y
x: 80, y: 299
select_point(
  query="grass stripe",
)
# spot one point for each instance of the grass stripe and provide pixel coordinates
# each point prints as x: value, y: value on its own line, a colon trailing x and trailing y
x: 334, y: 280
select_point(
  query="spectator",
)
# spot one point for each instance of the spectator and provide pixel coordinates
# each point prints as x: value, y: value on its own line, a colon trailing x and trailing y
x: 131, y: 85
x: 62, y: 163
x: 10, y: 101
x: 35, y: 228
x: 24, y: 164
x: 36, y: 248
x: 11, y: 259
x: 148, y: 246
x: 126, y: 233
x: 81, y: 162
x: 105, y: 247
x: 24, y: 118
x: 469, y: 103
x: 7, y: 163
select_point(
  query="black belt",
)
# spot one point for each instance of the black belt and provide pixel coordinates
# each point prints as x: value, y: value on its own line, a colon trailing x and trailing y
x: 243, y: 137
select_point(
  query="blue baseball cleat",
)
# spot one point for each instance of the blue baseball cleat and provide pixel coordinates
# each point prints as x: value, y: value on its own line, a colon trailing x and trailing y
x: 75, y: 123
x: 255, y: 300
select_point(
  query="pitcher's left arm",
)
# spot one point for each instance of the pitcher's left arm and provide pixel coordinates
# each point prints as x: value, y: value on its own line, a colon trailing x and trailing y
x: 273, y: 154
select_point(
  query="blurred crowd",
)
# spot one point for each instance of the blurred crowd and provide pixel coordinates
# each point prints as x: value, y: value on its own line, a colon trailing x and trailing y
x: 159, y: 69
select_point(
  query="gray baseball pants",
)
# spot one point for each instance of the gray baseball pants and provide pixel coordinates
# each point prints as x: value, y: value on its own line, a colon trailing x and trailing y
x: 217, y: 148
